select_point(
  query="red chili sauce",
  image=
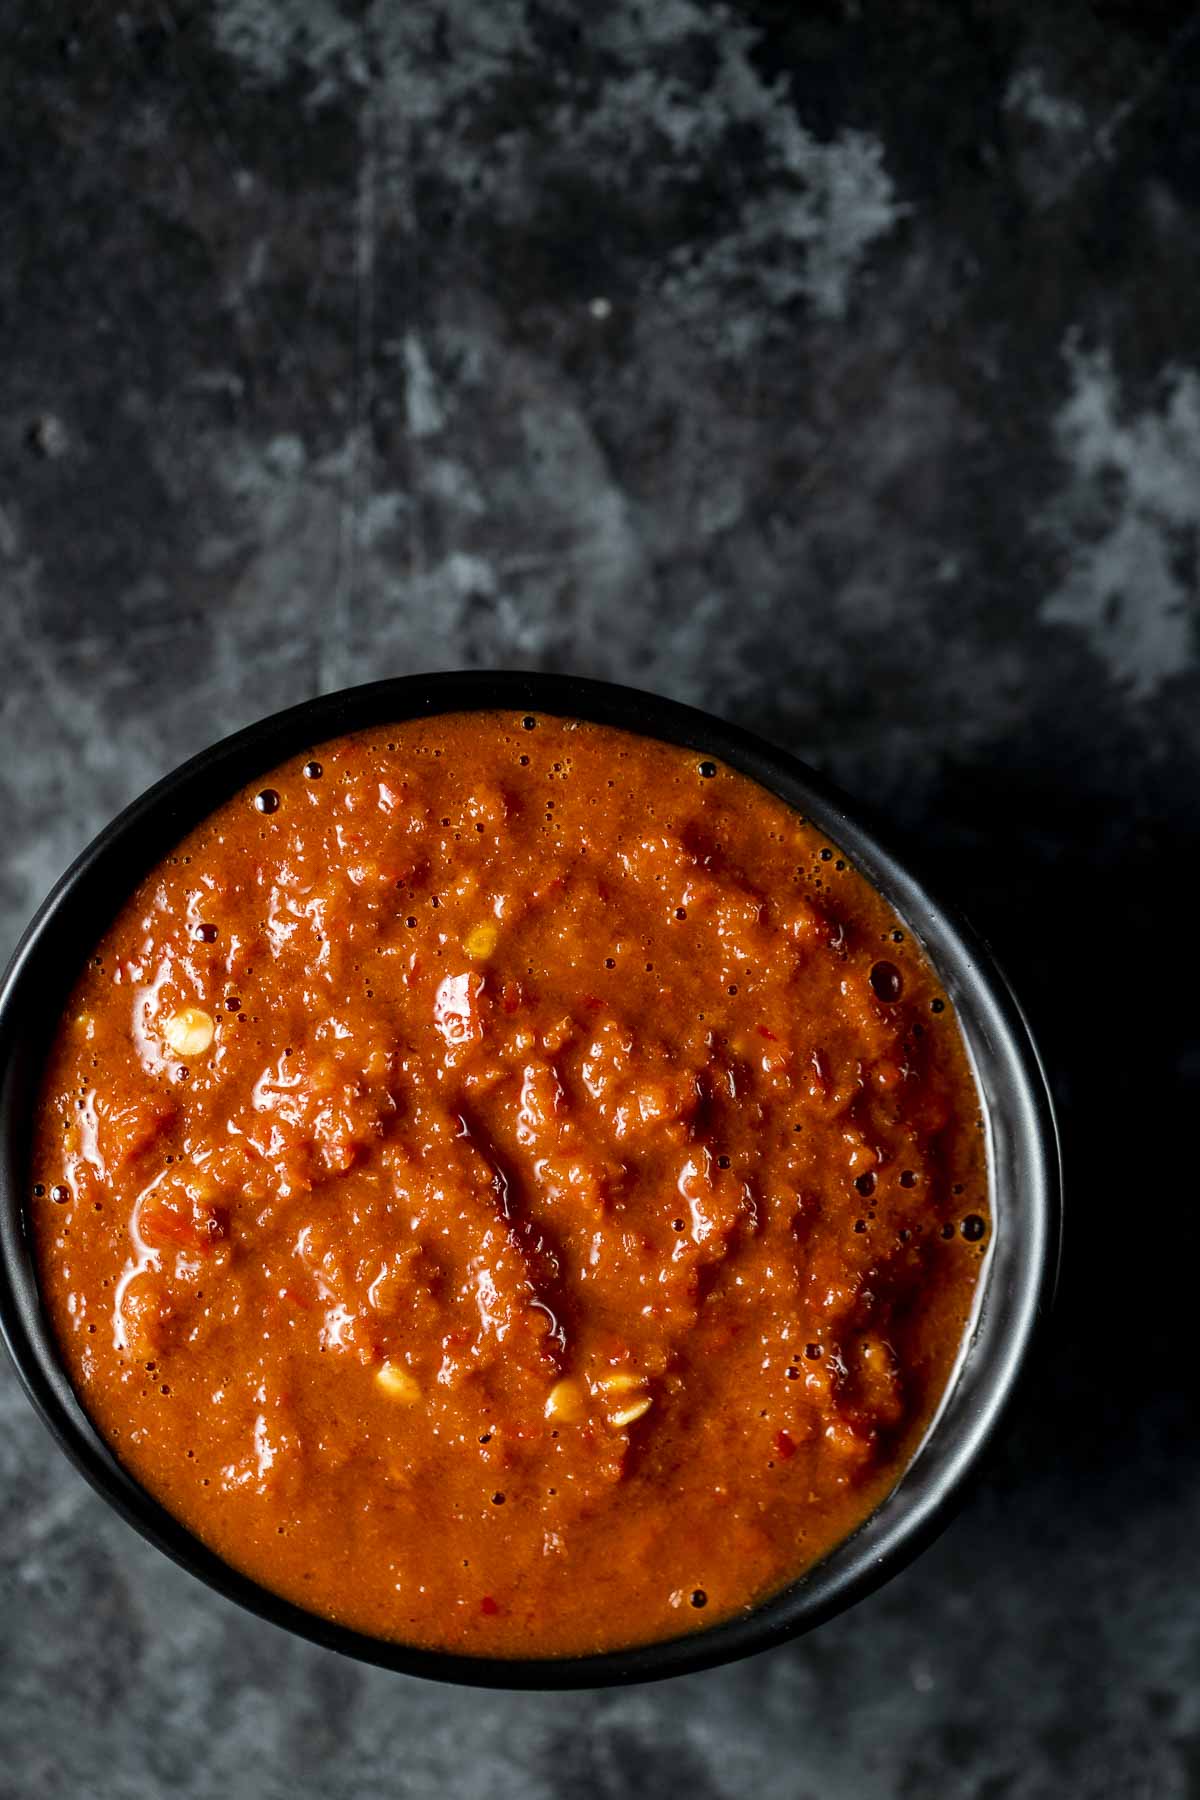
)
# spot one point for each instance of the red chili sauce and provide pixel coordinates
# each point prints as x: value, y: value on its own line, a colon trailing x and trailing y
x: 510, y: 1186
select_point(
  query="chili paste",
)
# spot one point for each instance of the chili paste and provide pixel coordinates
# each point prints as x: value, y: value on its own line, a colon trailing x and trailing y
x: 510, y: 1185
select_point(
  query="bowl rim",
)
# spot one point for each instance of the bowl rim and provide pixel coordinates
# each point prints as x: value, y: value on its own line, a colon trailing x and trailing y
x: 118, y: 857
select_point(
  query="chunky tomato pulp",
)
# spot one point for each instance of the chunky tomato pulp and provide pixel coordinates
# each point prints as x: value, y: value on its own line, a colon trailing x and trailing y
x: 511, y: 1186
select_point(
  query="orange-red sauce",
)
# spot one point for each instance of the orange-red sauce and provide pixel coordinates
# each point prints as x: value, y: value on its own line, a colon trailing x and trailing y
x: 510, y: 1186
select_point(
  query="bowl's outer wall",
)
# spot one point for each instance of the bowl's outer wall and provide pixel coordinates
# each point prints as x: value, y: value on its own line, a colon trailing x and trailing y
x: 1018, y: 1277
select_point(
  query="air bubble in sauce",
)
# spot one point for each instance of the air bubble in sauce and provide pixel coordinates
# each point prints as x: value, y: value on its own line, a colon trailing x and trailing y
x: 887, y: 982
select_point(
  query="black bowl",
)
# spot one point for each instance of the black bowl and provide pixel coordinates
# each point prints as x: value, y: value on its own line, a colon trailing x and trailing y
x: 1016, y: 1283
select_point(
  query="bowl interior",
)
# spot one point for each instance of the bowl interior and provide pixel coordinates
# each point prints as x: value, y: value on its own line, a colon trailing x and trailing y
x: 1015, y: 1284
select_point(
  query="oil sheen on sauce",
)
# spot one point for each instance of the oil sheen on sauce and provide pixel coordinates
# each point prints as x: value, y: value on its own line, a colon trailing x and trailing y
x: 509, y: 1185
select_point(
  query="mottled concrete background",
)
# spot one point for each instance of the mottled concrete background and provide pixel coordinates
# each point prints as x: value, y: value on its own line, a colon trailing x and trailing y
x: 835, y: 365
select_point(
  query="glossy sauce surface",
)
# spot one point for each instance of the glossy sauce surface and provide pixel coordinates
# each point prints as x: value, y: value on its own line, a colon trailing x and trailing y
x: 508, y: 1185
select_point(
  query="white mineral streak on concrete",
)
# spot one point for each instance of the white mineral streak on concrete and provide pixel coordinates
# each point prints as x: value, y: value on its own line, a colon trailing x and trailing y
x: 1030, y: 95
x: 1127, y: 521
x: 269, y: 38
x: 803, y: 235
x: 422, y: 405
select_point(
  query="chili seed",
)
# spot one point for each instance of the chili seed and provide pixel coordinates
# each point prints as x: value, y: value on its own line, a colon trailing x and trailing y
x: 629, y: 1415
x: 566, y: 1400
x: 396, y: 1382
x: 189, y: 1032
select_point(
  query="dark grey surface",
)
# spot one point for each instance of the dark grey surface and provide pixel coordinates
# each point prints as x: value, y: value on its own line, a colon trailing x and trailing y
x: 835, y: 366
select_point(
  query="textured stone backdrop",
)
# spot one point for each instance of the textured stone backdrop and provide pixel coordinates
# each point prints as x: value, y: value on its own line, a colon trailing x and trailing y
x: 833, y: 364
